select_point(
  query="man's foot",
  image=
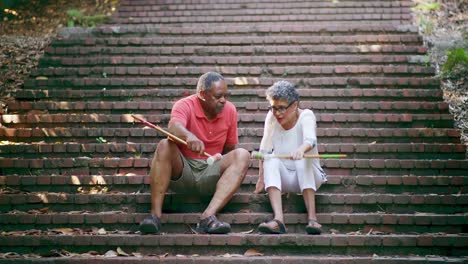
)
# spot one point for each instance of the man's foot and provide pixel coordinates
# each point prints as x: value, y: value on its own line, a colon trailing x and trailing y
x: 150, y: 225
x: 274, y: 226
x: 211, y: 225
x: 313, y: 228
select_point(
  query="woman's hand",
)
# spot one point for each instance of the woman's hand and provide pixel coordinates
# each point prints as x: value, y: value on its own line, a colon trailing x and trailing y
x: 260, y: 186
x: 297, y: 155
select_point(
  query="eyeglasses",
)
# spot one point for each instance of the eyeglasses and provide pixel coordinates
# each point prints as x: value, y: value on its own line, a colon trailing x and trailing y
x: 280, y: 109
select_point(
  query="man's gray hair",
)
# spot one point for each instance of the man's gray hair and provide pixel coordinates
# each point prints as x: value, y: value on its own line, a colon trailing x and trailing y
x: 282, y: 90
x: 206, y: 80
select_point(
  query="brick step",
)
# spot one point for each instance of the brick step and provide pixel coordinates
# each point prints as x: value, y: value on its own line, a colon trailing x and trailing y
x: 237, y: 94
x: 335, y: 223
x: 188, y: 4
x: 241, y: 202
x: 162, y: 106
x: 251, y: 71
x: 133, y: 183
x: 234, y: 82
x: 236, y: 258
x: 124, y: 166
x: 294, y: 13
x: 208, y: 9
x: 361, y: 120
x: 90, y: 59
x: 109, y: 45
x: 134, y: 18
x: 297, y: 28
x: 126, y: 6
x: 220, y: 50
x: 247, y: 135
x: 146, y: 150
x: 238, y: 243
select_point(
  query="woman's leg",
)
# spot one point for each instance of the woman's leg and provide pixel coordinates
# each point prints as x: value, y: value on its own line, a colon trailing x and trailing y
x: 274, y: 194
x: 313, y: 227
x: 309, y: 200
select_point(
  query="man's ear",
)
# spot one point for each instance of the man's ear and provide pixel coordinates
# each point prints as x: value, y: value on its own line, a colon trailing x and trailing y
x: 201, y: 95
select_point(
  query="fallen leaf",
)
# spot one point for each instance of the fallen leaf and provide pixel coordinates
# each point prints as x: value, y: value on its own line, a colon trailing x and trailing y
x: 121, y: 252
x: 248, y: 232
x: 110, y: 254
x: 252, y: 253
x: 102, y: 231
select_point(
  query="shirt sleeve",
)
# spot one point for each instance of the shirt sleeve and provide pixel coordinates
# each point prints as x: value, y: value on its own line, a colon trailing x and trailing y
x: 309, y: 126
x: 266, y: 145
x: 232, y: 136
x: 180, y: 112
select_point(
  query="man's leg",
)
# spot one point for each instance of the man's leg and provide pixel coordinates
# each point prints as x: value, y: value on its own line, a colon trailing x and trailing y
x: 166, y: 165
x: 233, y: 168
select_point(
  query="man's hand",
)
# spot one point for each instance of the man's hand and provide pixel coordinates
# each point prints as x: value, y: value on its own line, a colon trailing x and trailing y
x: 194, y: 144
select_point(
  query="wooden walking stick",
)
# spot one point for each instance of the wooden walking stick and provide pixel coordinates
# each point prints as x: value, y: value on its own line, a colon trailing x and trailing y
x: 260, y: 156
x: 210, y: 160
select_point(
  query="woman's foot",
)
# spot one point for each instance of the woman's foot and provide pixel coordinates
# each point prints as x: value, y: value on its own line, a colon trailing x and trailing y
x: 313, y: 227
x: 272, y: 227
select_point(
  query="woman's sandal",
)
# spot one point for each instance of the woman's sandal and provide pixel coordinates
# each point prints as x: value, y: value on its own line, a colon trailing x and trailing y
x: 312, y: 227
x: 267, y: 229
x: 211, y: 225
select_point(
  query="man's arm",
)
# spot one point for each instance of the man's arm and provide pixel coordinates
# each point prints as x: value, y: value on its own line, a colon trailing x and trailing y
x: 228, y: 148
x: 193, y: 143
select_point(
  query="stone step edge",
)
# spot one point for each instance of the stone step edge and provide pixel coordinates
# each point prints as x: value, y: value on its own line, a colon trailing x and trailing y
x: 235, y: 258
x: 250, y: 179
x: 139, y: 148
x: 120, y: 30
x: 239, y: 240
x: 69, y: 93
x: 144, y: 163
x: 80, y: 118
x: 118, y: 217
x: 238, y: 198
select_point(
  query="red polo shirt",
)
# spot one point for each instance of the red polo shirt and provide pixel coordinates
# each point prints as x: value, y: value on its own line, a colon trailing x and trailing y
x: 214, y: 133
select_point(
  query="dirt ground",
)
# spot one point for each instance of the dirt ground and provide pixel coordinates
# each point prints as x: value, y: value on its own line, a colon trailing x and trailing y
x: 27, y: 29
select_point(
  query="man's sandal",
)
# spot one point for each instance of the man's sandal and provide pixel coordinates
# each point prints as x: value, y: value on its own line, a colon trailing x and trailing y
x: 211, y: 225
x: 266, y: 228
x: 150, y: 225
x: 313, y: 228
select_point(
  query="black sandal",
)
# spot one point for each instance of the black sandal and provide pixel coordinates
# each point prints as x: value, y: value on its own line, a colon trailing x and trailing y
x: 311, y: 229
x: 211, y: 225
x: 150, y: 225
x: 266, y: 229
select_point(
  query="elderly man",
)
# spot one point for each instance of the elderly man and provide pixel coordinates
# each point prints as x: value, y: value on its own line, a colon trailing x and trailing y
x: 207, y: 122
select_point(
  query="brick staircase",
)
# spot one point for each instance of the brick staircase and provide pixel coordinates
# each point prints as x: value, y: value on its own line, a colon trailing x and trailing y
x: 73, y: 160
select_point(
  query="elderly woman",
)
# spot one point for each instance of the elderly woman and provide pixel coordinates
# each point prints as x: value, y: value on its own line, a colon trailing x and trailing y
x: 289, y: 130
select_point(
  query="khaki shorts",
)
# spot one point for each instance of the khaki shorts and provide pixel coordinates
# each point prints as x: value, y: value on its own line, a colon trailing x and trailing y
x: 197, y: 177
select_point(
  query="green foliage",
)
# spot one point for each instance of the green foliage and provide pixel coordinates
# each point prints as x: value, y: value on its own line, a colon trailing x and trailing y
x: 76, y: 18
x: 427, y: 7
x: 426, y: 25
x: 456, y: 66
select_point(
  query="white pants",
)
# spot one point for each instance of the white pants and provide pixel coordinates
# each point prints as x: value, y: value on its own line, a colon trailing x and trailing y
x: 307, y: 175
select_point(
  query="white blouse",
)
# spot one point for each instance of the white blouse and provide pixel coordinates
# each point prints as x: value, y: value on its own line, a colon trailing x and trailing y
x: 280, y: 141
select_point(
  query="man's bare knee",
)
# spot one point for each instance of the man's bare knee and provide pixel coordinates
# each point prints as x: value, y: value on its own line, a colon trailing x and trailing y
x: 239, y: 159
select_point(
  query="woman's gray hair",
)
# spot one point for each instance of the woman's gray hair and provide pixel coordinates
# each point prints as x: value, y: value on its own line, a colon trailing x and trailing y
x: 206, y: 80
x: 282, y: 90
